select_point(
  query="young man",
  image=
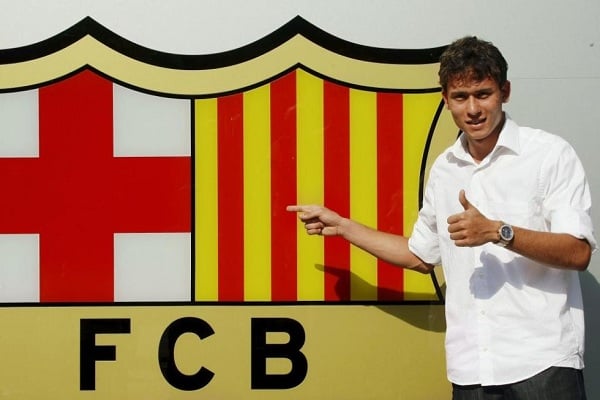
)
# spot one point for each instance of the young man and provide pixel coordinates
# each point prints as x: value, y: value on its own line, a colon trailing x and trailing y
x: 506, y: 212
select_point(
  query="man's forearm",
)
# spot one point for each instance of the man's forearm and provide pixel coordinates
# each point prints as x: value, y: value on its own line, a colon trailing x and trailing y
x: 559, y: 250
x: 385, y: 246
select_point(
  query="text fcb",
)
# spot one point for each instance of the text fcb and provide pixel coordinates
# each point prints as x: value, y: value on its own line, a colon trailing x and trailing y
x: 261, y: 351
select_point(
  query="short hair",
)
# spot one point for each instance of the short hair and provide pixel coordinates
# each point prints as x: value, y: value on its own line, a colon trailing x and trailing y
x: 472, y: 58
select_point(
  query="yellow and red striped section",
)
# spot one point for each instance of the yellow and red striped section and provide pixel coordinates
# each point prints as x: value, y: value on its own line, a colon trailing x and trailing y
x: 303, y: 139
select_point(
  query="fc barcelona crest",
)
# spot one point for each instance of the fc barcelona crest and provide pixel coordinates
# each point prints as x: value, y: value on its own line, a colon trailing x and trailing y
x: 131, y: 175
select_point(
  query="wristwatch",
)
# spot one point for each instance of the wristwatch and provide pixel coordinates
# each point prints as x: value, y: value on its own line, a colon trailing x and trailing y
x: 506, y: 234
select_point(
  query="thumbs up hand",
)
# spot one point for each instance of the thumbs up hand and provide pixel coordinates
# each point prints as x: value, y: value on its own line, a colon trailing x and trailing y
x: 471, y: 228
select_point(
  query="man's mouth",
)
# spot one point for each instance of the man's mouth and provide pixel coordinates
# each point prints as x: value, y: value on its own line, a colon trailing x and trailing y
x: 475, y: 122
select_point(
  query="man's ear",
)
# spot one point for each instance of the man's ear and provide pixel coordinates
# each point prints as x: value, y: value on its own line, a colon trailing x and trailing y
x: 445, y: 97
x: 505, y: 90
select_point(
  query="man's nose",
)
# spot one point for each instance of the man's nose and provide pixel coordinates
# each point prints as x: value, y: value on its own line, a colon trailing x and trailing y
x: 473, y: 107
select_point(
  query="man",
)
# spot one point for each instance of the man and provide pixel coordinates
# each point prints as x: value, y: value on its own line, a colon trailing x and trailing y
x: 506, y: 212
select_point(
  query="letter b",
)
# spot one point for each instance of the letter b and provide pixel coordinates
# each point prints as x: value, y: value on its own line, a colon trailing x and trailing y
x: 261, y: 351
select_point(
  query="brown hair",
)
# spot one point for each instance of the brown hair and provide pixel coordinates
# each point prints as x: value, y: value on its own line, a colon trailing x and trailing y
x: 472, y: 58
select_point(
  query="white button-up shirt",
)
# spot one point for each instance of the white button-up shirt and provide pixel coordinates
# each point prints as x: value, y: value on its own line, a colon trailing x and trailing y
x: 508, y: 317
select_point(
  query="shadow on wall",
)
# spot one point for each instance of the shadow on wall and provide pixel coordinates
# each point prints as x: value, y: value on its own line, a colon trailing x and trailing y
x: 425, y: 315
x: 591, y: 301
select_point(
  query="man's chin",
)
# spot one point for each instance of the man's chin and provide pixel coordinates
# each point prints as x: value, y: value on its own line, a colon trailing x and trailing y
x: 477, y: 134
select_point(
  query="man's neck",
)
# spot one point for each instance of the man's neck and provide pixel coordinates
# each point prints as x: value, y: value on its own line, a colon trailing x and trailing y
x: 480, y: 149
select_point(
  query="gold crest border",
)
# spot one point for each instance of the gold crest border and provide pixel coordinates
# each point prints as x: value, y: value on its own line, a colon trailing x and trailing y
x: 296, y: 44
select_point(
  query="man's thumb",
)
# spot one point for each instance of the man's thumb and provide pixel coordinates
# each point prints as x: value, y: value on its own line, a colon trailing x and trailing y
x: 463, y: 200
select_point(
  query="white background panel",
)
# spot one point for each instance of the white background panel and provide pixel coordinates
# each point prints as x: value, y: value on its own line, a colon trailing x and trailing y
x: 19, y: 124
x: 19, y: 268
x: 146, y: 125
x: 152, y: 266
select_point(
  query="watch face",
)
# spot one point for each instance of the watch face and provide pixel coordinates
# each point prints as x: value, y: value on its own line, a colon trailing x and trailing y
x: 506, y: 232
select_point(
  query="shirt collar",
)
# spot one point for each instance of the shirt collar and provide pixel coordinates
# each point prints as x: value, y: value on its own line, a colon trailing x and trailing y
x: 508, y: 138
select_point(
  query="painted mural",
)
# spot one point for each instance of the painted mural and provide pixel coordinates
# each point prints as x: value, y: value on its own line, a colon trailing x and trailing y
x: 144, y: 232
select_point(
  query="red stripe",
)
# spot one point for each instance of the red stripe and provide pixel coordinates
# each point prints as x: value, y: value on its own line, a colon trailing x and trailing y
x: 390, y: 192
x: 337, y: 186
x: 76, y: 242
x: 284, y: 277
x: 152, y: 194
x: 230, y: 155
x: 20, y: 203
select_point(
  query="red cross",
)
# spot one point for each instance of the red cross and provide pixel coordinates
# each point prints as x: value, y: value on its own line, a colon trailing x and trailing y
x: 77, y: 195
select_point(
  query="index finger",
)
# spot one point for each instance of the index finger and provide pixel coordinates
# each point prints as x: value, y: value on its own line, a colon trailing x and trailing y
x: 306, y: 211
x: 296, y: 208
x: 454, y: 218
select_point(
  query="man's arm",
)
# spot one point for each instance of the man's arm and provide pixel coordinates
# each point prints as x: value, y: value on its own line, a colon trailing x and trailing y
x: 391, y: 248
x: 560, y: 250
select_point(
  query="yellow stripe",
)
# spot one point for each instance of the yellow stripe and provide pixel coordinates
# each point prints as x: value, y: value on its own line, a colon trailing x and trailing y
x: 206, y: 201
x: 419, y: 111
x: 257, y: 195
x: 363, y: 188
x: 310, y: 181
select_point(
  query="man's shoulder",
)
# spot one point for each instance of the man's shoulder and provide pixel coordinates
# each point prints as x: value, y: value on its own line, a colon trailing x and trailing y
x: 540, y: 139
x: 442, y: 163
x: 442, y: 158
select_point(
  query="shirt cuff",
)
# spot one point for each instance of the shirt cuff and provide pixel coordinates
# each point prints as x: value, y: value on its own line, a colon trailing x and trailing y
x: 577, y: 223
x: 424, y: 246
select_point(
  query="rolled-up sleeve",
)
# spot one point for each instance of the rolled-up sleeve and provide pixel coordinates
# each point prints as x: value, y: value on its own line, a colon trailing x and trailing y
x: 567, y: 201
x: 424, y: 244
x: 574, y: 222
x: 423, y: 241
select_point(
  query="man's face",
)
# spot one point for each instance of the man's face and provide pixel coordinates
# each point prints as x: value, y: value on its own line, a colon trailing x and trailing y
x: 476, y: 106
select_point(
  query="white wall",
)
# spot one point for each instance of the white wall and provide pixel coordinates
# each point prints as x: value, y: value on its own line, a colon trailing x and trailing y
x: 553, y: 48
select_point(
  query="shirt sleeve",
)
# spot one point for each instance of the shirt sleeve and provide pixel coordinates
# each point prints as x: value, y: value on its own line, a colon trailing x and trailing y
x: 567, y: 200
x: 423, y: 241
